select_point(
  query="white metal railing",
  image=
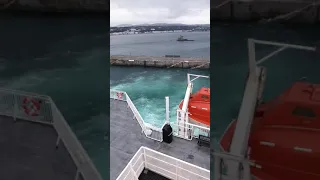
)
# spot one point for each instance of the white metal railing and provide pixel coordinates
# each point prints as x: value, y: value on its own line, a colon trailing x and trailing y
x: 123, y: 96
x: 221, y: 160
x: 191, y: 130
x: 185, y: 129
x: 17, y: 104
x: 14, y: 103
x: 149, y: 130
x: 162, y: 164
x: 191, y: 79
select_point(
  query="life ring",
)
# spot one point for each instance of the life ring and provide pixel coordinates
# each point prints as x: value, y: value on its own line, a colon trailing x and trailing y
x: 31, y: 107
x: 119, y: 95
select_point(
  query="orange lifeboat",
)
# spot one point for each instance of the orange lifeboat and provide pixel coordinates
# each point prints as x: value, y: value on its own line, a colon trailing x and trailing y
x: 284, y: 136
x: 199, y: 107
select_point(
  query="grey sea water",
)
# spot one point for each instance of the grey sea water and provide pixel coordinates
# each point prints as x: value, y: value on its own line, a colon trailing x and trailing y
x: 162, y: 44
x: 66, y: 59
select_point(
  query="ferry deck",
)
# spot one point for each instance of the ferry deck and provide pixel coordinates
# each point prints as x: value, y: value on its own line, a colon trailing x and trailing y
x: 126, y: 137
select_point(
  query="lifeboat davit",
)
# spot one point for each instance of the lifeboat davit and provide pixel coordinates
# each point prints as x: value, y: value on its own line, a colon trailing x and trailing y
x: 284, y: 136
x: 199, y: 107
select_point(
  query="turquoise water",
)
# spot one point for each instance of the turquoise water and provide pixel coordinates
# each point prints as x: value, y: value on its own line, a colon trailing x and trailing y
x: 147, y: 88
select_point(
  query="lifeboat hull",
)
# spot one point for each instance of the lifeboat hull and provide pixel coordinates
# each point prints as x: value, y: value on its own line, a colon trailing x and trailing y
x: 277, y: 154
x: 280, y: 150
x: 199, y: 107
x: 199, y: 113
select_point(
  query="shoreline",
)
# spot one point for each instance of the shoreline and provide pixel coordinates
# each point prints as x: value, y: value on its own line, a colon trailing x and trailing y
x: 158, y: 33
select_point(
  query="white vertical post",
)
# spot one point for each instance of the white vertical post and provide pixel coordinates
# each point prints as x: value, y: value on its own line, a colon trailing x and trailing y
x: 252, y: 57
x: 167, y: 110
x: 188, y: 78
x: 133, y: 172
x: 145, y: 158
x: 186, y: 98
x: 189, y: 128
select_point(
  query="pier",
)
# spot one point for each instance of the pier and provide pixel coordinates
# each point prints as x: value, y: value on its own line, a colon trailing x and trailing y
x: 161, y: 62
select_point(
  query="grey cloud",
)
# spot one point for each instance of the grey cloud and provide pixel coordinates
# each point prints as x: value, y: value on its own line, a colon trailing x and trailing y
x: 160, y: 11
x: 176, y: 8
x: 172, y: 4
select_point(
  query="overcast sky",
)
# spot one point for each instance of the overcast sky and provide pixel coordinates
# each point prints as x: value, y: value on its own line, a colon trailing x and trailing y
x: 159, y: 11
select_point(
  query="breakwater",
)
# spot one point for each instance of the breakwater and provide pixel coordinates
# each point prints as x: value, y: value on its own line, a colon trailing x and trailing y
x: 160, y: 62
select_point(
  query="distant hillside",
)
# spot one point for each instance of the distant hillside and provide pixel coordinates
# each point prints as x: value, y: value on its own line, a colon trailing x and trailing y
x: 123, y: 25
x: 160, y: 24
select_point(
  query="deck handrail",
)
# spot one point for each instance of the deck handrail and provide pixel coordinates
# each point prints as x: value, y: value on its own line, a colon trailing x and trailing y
x: 144, y: 126
x: 221, y: 160
x: 147, y: 158
x: 136, y: 112
x: 10, y: 105
x: 114, y: 95
x: 123, y: 96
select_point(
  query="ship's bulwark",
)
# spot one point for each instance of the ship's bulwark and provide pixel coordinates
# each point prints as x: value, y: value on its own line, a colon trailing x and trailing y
x: 28, y: 150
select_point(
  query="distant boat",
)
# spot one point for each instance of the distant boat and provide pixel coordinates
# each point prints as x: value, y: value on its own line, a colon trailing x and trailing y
x: 183, y: 39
